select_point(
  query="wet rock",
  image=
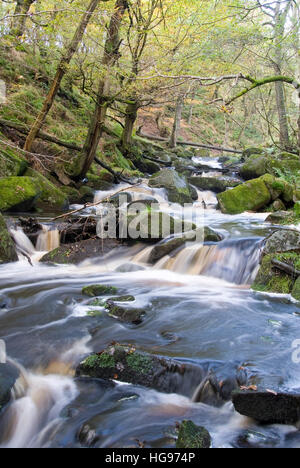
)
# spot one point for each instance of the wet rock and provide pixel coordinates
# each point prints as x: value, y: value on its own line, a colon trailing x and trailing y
x: 80, y: 251
x: 125, y: 314
x: 50, y: 195
x: 177, y: 186
x: 214, y: 184
x: 129, y: 268
x: 251, y: 196
x: 165, y: 248
x: 119, y: 199
x: 193, y: 437
x: 143, y: 204
x: 18, y: 193
x: 8, y: 252
x: 87, y: 436
x: 126, y: 364
x: 87, y: 194
x: 97, y: 290
x: 268, y: 408
x: 285, y: 240
x: 278, y: 217
x: 8, y: 377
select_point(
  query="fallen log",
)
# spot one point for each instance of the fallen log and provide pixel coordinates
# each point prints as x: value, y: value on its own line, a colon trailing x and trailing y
x: 286, y: 268
x: 189, y: 143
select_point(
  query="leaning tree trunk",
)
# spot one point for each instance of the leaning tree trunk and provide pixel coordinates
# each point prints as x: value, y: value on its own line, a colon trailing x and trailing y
x: 177, y: 122
x: 60, y: 73
x: 130, y: 119
x: 20, y: 17
x: 110, y: 57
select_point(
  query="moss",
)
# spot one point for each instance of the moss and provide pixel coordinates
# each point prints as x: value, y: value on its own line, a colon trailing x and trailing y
x: 139, y: 363
x: 103, y: 360
x: 50, y: 195
x: 7, y: 247
x: 11, y: 164
x: 271, y: 280
x: 18, y: 193
x: 94, y: 313
x: 192, y: 437
x: 296, y: 290
x: 99, y: 290
x: 250, y: 196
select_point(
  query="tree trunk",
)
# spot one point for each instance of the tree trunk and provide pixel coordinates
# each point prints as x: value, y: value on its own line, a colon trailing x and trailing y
x: 61, y: 71
x: 282, y: 113
x: 130, y: 119
x: 110, y: 57
x: 20, y: 17
x: 177, y: 122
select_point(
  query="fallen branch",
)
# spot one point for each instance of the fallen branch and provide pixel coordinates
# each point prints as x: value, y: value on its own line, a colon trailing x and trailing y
x: 286, y: 268
x: 90, y: 205
x: 159, y: 161
x: 189, y: 143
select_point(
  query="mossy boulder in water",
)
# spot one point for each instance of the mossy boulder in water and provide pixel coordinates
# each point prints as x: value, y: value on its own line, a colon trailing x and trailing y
x: 165, y: 248
x: 193, y: 437
x: 127, y: 364
x: 50, y: 195
x: 258, y: 165
x: 123, y: 313
x: 214, y: 184
x: 176, y: 186
x: 97, y: 290
x: 18, y: 193
x: 10, y: 164
x: 251, y: 196
x: 255, y: 167
x: 7, y: 247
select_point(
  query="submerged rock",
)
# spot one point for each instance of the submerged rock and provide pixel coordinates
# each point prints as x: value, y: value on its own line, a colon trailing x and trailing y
x: 8, y: 377
x: 268, y: 408
x: 193, y: 437
x: 176, y: 186
x: 8, y: 252
x: 126, y: 364
x: 165, y: 248
x: 123, y: 313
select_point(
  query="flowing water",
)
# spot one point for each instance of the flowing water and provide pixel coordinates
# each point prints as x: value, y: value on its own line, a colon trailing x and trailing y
x: 200, y: 309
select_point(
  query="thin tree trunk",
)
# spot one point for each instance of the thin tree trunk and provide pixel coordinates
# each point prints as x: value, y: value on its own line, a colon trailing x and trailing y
x: 282, y: 113
x: 110, y: 57
x: 130, y: 119
x: 60, y: 73
x: 177, y: 122
x: 20, y: 17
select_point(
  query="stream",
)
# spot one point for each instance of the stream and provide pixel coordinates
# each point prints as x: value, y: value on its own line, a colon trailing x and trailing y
x: 200, y: 308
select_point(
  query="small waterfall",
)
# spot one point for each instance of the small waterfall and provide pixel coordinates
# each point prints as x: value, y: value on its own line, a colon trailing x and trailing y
x: 49, y: 239
x: 24, y: 245
x: 235, y: 261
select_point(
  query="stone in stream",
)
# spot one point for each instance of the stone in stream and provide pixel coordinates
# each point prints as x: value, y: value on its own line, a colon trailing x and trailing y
x: 123, y: 313
x: 278, y: 217
x: 18, y: 193
x: 126, y: 364
x: 8, y: 377
x: 176, y: 186
x: 268, y: 408
x: 96, y: 290
x: 214, y: 184
x: 165, y: 248
x: 79, y: 251
x: 285, y: 240
x: 191, y: 436
x: 8, y: 252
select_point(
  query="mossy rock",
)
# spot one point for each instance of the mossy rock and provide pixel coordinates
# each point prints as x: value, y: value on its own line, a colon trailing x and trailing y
x: 214, y: 184
x: 8, y: 377
x: 193, y: 437
x: 285, y: 156
x: 98, y: 183
x: 252, y: 151
x: 282, y: 241
x: 73, y: 194
x: 166, y: 247
x: 125, y: 314
x: 97, y: 290
x: 176, y: 186
x: 11, y: 165
x: 296, y: 290
x: 18, y: 193
x: 50, y: 195
x: 251, y: 196
x: 87, y: 194
x: 8, y: 252
x: 270, y: 280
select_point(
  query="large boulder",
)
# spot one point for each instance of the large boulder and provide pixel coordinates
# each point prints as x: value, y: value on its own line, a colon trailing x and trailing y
x: 176, y: 186
x: 7, y: 247
x: 258, y: 165
x: 11, y: 164
x: 254, y: 167
x: 251, y: 196
x: 18, y: 193
x: 191, y: 436
x: 50, y: 195
x: 285, y: 240
x: 267, y: 407
x: 214, y: 184
x: 164, y: 248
